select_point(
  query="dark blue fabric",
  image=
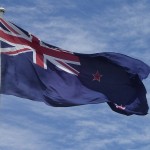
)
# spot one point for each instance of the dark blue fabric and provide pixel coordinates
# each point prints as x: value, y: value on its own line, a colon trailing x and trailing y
x: 5, y: 45
x: 121, y: 80
x: 3, y: 27
x: 120, y: 83
x: 22, y: 78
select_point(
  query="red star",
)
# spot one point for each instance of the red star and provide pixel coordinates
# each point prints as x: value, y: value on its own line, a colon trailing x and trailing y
x: 97, y: 76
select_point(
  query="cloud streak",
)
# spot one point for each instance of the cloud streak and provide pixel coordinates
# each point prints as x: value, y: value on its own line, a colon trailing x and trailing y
x: 86, y: 27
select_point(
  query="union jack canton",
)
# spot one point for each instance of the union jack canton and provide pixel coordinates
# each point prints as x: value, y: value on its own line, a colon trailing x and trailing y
x: 15, y: 41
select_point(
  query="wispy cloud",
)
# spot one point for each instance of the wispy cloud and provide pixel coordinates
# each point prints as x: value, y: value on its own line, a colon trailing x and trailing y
x: 119, y: 27
x: 92, y: 128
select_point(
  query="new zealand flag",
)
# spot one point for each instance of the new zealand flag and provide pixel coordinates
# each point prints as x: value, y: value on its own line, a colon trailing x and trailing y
x: 38, y: 71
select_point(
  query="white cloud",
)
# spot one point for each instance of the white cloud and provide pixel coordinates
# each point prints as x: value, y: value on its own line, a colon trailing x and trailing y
x: 14, y: 137
x: 92, y: 127
x: 32, y: 125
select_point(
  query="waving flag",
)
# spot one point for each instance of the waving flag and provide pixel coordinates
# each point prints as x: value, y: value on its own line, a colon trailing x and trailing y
x: 38, y: 71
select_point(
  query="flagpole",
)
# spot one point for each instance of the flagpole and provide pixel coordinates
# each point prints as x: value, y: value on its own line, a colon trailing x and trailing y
x: 2, y: 11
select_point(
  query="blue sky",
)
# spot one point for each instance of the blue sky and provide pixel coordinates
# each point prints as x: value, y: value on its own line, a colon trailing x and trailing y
x: 87, y: 27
